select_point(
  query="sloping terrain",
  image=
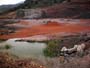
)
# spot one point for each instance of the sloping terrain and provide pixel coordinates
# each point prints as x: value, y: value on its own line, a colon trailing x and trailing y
x: 48, y: 28
x: 69, y: 10
x: 72, y: 9
x: 10, y: 15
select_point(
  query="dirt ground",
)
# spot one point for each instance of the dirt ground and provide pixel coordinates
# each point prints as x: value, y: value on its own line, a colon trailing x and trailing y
x: 50, y: 27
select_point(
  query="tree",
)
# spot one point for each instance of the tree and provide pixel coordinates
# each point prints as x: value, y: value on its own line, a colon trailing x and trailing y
x: 41, y: 3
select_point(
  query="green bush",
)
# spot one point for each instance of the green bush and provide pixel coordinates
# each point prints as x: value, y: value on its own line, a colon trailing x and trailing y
x: 7, y: 46
x: 52, y: 49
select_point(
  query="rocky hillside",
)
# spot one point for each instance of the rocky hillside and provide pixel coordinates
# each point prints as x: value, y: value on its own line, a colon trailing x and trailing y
x: 58, y: 8
x: 4, y: 8
x: 69, y: 10
x: 40, y: 3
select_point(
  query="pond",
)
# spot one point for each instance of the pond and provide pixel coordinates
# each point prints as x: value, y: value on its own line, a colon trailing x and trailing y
x: 26, y: 49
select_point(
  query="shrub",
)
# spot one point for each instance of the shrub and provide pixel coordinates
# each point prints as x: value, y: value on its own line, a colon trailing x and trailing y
x: 52, y: 49
x: 7, y: 46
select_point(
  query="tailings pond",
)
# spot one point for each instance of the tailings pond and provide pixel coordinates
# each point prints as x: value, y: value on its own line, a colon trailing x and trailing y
x: 24, y: 49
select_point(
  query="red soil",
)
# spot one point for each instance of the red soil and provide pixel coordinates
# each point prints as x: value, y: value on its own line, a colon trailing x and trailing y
x: 49, y: 28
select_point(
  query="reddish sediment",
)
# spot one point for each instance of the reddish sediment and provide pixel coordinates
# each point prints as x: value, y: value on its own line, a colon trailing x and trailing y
x: 50, y: 28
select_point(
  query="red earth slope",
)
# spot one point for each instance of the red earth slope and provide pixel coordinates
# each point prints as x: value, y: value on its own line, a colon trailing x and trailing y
x: 50, y: 28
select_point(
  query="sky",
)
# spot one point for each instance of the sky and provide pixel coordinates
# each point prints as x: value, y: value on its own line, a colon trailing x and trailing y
x: 5, y: 2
